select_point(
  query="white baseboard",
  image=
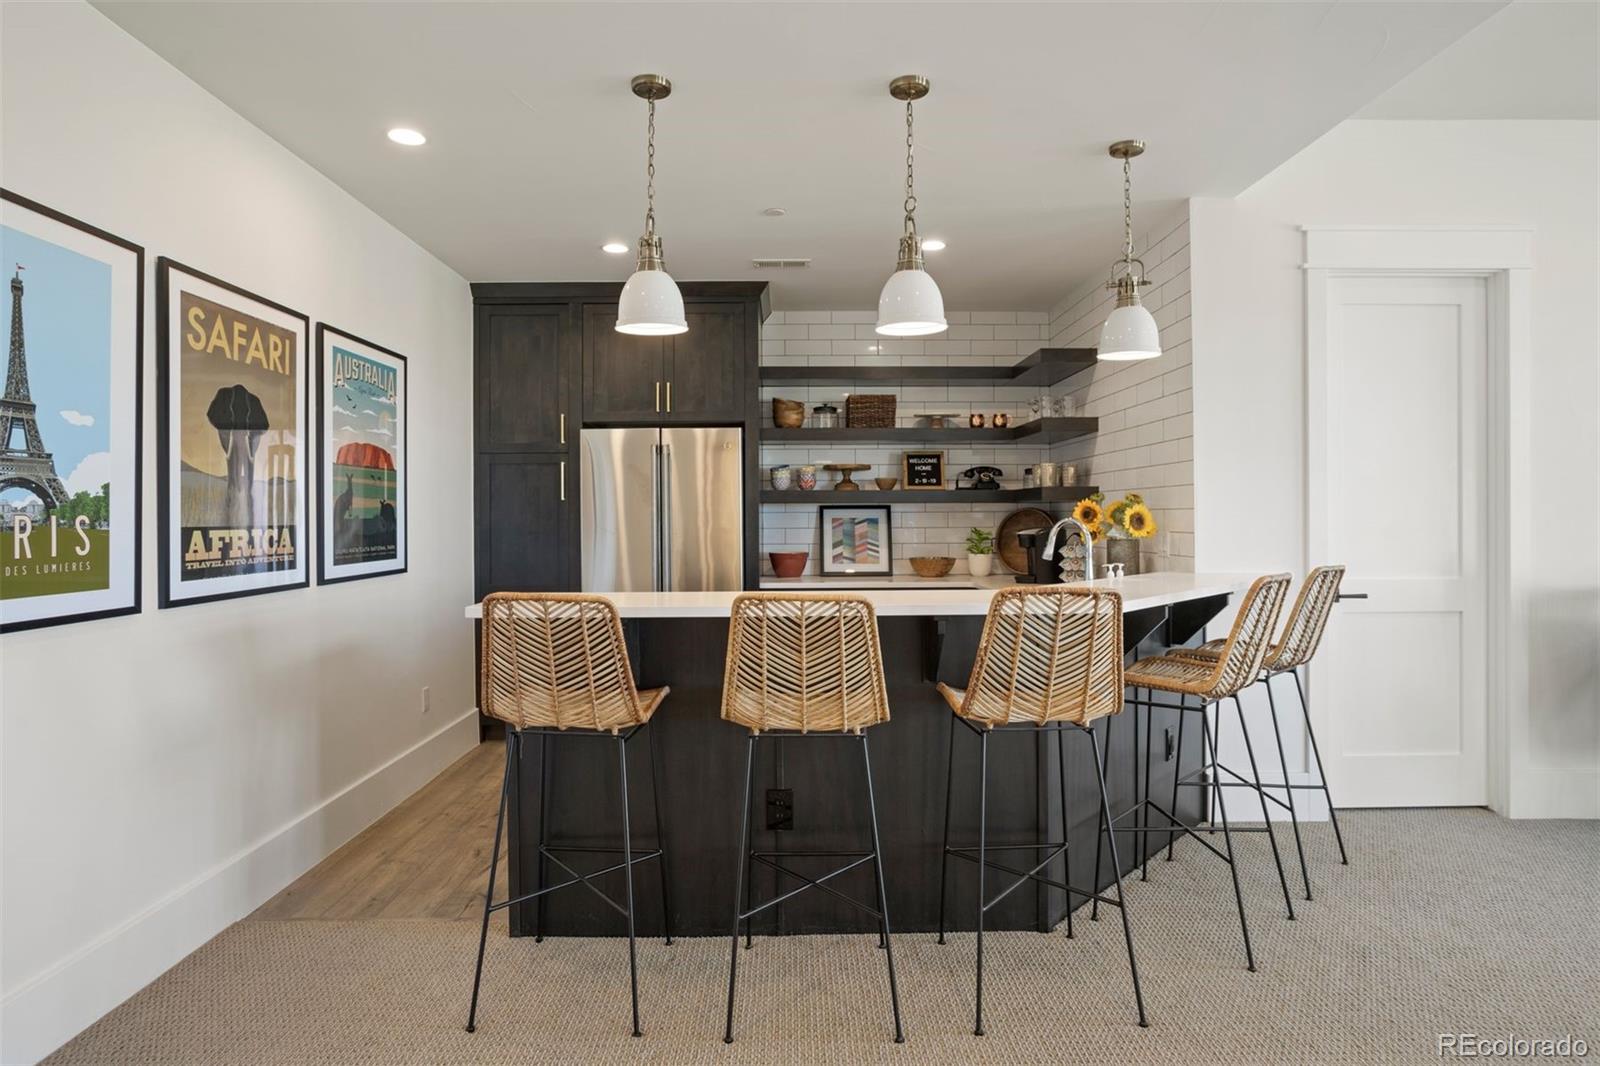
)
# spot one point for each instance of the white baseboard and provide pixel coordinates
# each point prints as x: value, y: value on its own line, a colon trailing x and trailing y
x: 1539, y: 793
x: 57, y: 1004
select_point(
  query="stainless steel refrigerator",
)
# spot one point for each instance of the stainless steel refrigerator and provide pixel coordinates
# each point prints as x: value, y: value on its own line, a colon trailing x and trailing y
x: 662, y: 509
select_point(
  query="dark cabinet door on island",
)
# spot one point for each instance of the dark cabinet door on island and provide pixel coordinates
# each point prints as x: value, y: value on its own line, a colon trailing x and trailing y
x: 624, y: 376
x: 706, y: 368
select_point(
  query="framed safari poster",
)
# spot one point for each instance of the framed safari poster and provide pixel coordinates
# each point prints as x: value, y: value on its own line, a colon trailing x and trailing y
x: 232, y: 411
x: 70, y: 426
x: 361, y: 465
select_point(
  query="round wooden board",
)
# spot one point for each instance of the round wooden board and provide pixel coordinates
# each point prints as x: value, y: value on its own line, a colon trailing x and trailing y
x: 1013, y: 554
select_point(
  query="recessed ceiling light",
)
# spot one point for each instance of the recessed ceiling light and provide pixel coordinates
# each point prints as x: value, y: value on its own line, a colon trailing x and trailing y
x: 614, y: 247
x: 774, y: 212
x: 409, y: 138
x: 933, y: 244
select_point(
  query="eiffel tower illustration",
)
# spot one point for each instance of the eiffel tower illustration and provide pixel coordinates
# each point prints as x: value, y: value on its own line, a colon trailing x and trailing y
x: 29, y: 467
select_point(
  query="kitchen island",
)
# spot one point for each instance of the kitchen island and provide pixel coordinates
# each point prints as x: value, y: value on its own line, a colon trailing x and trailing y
x: 929, y: 631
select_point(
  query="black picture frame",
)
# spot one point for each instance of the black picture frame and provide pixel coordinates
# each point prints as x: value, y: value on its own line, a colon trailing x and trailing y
x: 136, y: 605
x: 324, y: 332
x: 165, y: 266
x: 823, y: 566
x: 933, y: 458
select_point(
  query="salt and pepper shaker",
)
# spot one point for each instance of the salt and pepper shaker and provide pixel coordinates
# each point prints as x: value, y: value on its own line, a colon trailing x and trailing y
x: 1114, y: 571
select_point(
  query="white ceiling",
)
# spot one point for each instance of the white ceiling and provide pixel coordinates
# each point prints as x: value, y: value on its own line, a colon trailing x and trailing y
x: 535, y: 152
x: 1533, y: 59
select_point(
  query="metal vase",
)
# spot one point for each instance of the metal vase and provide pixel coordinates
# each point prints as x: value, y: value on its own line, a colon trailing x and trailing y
x: 1124, y: 550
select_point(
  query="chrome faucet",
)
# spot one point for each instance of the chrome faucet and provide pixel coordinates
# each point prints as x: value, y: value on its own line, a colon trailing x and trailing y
x: 1085, y: 538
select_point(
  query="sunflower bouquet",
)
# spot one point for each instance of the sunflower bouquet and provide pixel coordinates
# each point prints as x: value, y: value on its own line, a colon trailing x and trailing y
x: 1128, y: 518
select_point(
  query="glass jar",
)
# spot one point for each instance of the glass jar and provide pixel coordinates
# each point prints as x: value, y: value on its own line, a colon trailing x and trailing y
x: 1049, y: 475
x: 825, y: 416
x: 1028, y: 480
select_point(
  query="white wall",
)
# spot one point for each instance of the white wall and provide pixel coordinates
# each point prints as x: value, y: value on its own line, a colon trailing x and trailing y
x: 166, y: 772
x: 1145, y: 442
x: 1249, y: 338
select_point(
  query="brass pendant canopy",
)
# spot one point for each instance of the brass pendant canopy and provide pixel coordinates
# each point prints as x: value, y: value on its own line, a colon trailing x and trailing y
x: 651, y: 86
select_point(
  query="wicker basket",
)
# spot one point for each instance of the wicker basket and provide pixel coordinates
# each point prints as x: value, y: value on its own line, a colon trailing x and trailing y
x: 869, y: 411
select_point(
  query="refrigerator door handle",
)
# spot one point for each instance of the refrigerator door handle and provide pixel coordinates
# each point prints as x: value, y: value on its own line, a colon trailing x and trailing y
x: 655, y: 517
x: 666, y: 517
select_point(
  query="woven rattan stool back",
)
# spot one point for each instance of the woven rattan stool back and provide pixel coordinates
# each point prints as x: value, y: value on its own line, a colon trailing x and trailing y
x: 556, y: 660
x: 1047, y: 655
x: 1307, y: 620
x: 807, y: 663
x: 1240, y: 661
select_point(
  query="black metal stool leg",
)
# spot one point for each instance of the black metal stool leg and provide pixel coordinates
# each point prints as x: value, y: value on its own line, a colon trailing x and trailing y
x: 983, y: 863
x: 1103, y: 829
x: 1116, y: 870
x: 1144, y: 797
x: 661, y: 833
x: 750, y: 868
x: 1177, y: 770
x: 1333, y: 816
x: 883, y: 894
x: 1288, y: 788
x: 1212, y: 773
x: 513, y: 744
x: 738, y: 890
x: 1266, y: 816
x: 541, y: 909
x: 1066, y: 826
x: 1227, y: 837
x: 627, y: 874
x: 944, y: 854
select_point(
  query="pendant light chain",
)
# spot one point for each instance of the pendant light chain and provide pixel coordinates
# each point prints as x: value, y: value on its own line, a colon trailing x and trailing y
x: 1127, y: 211
x: 911, y: 196
x: 650, y: 174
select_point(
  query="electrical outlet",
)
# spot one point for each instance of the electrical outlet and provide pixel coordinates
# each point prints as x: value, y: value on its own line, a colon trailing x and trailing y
x: 780, y: 809
x: 427, y: 699
x: 1171, y: 748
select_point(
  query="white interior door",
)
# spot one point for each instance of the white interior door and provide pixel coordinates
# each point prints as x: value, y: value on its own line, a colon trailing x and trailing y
x: 1397, y: 492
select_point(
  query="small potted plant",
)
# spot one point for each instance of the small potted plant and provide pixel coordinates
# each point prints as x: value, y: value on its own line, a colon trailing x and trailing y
x: 980, y: 551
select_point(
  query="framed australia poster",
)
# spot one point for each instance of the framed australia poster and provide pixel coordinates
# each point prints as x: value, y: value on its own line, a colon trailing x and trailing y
x: 361, y: 464
x: 232, y: 411
x: 855, y: 540
x: 70, y: 426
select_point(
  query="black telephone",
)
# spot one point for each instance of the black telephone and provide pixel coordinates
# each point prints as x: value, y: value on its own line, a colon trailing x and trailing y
x: 980, y: 477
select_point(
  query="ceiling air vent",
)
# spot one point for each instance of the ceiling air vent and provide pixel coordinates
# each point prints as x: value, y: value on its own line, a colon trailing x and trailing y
x: 779, y: 264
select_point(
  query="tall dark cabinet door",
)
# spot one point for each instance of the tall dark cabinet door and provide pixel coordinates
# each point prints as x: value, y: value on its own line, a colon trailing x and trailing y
x: 706, y: 365
x: 527, y: 518
x: 624, y: 377
x: 527, y: 377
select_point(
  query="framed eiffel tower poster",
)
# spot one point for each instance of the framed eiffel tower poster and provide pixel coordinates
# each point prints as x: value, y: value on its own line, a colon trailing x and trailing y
x: 70, y: 424
x: 232, y: 432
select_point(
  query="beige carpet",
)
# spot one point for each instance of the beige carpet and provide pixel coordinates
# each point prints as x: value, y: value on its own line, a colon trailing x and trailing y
x: 1446, y: 921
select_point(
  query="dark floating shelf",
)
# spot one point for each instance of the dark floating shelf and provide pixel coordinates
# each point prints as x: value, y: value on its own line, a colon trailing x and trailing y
x: 1039, y: 431
x: 1060, y: 494
x: 1047, y: 366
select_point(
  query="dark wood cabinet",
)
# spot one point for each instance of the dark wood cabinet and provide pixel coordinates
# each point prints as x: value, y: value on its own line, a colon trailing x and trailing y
x: 706, y: 367
x: 526, y: 378
x: 527, y: 523
x: 624, y: 377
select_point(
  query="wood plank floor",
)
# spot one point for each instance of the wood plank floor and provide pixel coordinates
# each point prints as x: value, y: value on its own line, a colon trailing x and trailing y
x: 427, y: 858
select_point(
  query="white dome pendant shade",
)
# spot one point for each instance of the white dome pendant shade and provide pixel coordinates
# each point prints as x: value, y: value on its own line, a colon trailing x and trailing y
x: 910, y: 304
x: 651, y: 305
x: 1130, y: 330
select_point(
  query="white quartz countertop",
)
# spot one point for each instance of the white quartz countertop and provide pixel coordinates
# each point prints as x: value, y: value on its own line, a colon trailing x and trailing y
x: 911, y: 595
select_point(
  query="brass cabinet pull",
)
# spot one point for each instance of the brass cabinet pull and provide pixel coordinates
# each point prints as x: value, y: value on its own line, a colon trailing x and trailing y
x: 563, y: 427
x: 669, y: 397
x: 658, y: 396
x: 563, y: 481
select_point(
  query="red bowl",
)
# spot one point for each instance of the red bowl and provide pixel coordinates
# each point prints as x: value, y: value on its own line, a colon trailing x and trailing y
x: 788, y: 564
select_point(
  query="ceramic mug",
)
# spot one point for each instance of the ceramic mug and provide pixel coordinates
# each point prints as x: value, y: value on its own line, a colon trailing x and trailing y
x: 782, y: 478
x: 808, y: 477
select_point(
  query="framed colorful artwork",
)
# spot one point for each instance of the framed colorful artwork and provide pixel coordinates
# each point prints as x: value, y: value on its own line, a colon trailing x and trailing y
x: 232, y: 413
x: 856, y: 540
x: 70, y: 419
x: 361, y: 466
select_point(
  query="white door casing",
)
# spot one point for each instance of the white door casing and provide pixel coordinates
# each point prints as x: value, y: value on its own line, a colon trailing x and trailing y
x: 1399, y: 490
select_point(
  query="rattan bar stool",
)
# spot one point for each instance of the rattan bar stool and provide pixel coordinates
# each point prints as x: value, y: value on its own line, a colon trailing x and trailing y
x: 555, y: 664
x: 805, y: 666
x: 1049, y: 659
x: 1302, y: 635
x: 1209, y: 683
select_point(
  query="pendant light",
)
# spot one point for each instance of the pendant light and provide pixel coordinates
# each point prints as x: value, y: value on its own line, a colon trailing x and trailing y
x: 910, y: 304
x: 1130, y: 330
x: 651, y: 304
